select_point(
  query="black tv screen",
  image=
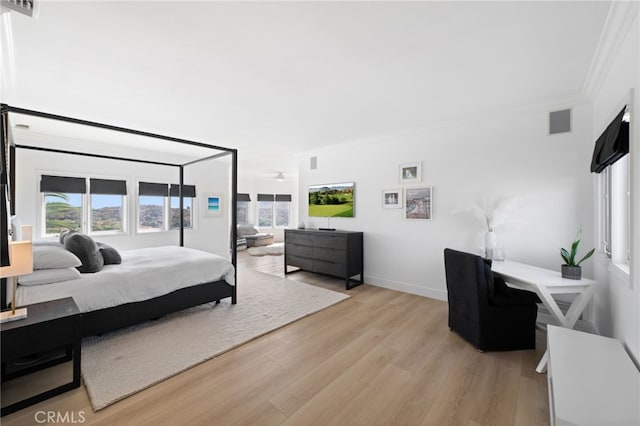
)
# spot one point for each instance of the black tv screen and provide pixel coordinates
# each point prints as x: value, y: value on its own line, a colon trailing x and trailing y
x: 331, y: 200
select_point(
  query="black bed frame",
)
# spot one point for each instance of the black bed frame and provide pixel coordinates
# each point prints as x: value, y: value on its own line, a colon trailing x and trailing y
x: 108, y: 319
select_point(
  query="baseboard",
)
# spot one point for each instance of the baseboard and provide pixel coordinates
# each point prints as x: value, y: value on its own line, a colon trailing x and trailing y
x: 406, y: 288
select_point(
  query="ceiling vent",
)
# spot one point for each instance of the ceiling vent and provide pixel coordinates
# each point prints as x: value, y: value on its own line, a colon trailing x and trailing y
x: 23, y: 6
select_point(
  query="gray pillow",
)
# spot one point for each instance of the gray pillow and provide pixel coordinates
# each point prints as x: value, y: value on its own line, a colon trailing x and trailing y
x: 65, y: 234
x: 87, y: 251
x: 110, y: 255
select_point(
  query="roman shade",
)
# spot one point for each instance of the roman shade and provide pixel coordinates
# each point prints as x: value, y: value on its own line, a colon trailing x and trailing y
x: 187, y: 190
x: 265, y: 197
x: 153, y: 189
x: 63, y: 184
x: 107, y: 186
x: 243, y: 197
x: 612, y: 144
x: 283, y: 197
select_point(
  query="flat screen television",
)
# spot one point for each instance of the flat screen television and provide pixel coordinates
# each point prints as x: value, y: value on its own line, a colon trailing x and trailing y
x: 332, y: 200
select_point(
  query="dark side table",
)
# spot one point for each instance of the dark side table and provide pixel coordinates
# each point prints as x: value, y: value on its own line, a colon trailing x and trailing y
x: 52, y: 327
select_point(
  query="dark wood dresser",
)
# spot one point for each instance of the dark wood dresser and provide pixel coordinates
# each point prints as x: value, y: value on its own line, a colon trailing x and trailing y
x: 335, y: 253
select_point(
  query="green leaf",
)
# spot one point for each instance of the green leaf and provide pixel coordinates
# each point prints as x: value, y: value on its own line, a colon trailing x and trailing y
x: 586, y: 256
x: 574, y: 250
x: 565, y: 256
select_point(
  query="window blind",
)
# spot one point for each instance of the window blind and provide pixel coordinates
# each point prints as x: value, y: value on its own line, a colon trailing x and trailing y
x: 612, y: 144
x: 283, y: 197
x: 243, y: 197
x: 107, y: 186
x: 154, y: 189
x: 187, y: 190
x: 63, y: 184
x: 265, y: 197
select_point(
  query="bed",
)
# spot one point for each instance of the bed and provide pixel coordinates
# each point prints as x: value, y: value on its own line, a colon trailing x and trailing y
x: 150, y: 282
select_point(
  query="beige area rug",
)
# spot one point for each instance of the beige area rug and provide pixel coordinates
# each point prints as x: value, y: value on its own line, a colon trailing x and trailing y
x: 275, y: 249
x: 127, y: 361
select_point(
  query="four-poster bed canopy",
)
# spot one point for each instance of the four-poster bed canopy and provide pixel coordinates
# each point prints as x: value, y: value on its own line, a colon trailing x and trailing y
x: 108, y: 142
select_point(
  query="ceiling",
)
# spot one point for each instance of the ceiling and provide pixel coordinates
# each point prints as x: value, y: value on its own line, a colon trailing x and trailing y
x: 273, y: 79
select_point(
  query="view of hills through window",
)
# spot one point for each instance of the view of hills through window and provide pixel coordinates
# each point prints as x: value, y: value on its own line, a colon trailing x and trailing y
x: 63, y: 211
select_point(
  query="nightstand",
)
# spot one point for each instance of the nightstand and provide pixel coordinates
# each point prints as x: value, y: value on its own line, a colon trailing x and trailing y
x: 53, y: 330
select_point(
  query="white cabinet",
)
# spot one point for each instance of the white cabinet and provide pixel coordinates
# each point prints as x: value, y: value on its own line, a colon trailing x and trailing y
x: 592, y: 380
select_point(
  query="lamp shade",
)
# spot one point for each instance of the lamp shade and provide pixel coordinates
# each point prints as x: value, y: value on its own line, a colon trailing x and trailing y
x: 21, y: 259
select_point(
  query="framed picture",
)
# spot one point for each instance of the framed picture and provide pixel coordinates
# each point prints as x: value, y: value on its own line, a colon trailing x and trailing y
x: 411, y: 172
x: 392, y: 198
x: 418, y: 203
x: 213, y: 205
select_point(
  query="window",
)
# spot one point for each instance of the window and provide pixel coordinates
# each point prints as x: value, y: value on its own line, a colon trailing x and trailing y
x: 274, y: 210
x: 265, y: 211
x: 107, y: 205
x: 282, y: 210
x: 615, y: 191
x: 63, y: 201
x: 68, y: 207
x: 188, y: 194
x: 63, y: 211
x: 242, y: 209
x: 620, y: 211
x: 605, y: 211
x: 152, y: 206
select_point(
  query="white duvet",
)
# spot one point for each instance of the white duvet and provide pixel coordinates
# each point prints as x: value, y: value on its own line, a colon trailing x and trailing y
x: 144, y: 274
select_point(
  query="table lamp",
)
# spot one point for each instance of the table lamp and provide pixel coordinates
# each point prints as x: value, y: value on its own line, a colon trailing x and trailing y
x: 21, y: 263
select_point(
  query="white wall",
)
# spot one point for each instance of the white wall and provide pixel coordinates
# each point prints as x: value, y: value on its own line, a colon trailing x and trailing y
x: 617, y: 311
x: 212, y: 176
x: 492, y: 157
x: 212, y: 233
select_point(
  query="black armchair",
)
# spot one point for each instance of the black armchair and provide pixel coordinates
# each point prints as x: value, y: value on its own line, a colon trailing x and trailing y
x: 483, y: 309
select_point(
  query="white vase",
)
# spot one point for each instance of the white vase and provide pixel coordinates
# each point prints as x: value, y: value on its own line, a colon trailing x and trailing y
x: 489, y: 244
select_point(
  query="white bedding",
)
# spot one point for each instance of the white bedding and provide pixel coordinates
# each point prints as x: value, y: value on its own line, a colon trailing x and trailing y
x: 144, y: 274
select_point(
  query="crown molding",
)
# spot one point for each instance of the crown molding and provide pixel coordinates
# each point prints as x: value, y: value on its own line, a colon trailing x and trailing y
x: 616, y: 28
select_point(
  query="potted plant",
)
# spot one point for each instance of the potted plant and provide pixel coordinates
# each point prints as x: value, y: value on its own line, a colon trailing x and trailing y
x: 572, y: 269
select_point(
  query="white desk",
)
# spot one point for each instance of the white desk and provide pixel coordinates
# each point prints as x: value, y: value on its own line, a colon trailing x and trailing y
x: 545, y: 283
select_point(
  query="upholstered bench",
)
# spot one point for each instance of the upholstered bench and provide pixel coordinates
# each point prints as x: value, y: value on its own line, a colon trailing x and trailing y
x: 253, y: 237
x: 259, y: 240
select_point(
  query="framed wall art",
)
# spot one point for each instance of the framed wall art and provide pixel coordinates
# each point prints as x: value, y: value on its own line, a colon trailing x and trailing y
x: 392, y: 198
x: 213, y: 205
x: 418, y: 203
x: 411, y: 172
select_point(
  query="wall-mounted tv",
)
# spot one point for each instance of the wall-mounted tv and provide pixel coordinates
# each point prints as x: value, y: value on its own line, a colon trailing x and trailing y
x: 332, y: 200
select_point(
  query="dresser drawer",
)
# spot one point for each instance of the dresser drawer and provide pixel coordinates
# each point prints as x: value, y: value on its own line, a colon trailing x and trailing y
x: 329, y: 254
x: 300, y: 239
x: 330, y: 241
x: 298, y: 250
x: 300, y: 262
x: 329, y: 268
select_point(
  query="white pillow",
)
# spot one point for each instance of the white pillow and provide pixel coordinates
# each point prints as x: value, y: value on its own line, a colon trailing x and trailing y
x: 47, y: 242
x: 54, y: 257
x: 48, y: 276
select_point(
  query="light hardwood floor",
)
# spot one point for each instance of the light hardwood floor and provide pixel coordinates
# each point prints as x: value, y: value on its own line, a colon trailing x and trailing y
x: 379, y: 358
